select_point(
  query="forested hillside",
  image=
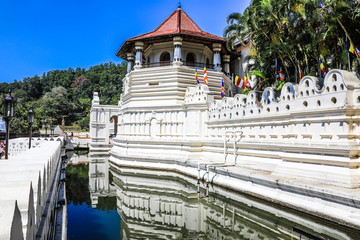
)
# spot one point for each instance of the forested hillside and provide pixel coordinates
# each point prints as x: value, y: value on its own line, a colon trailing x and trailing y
x: 66, y: 93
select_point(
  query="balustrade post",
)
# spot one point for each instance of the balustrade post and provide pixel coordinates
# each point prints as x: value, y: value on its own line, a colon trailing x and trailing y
x: 138, y: 57
x: 217, y: 58
x: 130, y: 60
x: 177, y: 51
x: 226, y: 59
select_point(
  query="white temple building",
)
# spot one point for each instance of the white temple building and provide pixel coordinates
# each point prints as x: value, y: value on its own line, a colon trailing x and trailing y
x: 300, y: 143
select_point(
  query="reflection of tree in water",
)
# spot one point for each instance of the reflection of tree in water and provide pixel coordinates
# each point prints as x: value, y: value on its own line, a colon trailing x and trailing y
x: 106, y: 204
x: 77, y: 188
x: 82, y: 151
x: 77, y: 184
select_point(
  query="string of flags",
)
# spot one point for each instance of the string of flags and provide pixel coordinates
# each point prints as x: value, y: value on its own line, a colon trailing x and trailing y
x: 244, y: 83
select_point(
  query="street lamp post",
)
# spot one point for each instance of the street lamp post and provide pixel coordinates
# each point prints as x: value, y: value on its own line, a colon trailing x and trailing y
x: 52, y: 128
x: 46, y: 123
x: 31, y: 119
x: 9, y: 102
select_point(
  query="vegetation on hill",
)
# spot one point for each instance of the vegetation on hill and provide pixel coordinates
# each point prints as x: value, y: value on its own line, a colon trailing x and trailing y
x: 308, y: 29
x: 64, y: 93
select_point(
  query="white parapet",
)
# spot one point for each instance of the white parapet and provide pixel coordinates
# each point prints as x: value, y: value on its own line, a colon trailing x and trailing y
x: 30, y: 179
x: 10, y: 219
x: 309, y: 131
x: 37, y: 180
x: 23, y: 193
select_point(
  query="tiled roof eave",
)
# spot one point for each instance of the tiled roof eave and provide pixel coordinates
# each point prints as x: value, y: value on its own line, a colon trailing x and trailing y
x: 206, y: 36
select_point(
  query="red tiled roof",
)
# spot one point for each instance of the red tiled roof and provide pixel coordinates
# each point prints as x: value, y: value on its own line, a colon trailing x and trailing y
x: 177, y: 23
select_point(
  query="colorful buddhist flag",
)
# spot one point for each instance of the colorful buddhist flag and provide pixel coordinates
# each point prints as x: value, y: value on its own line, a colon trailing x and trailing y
x: 357, y: 52
x: 282, y: 76
x: 237, y: 81
x: 278, y: 67
x: 322, y: 67
x: 196, y: 76
x: 222, y: 88
x: 205, y: 75
x: 349, y: 46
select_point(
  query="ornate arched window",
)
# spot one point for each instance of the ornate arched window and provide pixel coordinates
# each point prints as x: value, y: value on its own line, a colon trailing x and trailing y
x: 164, y: 59
x: 190, y: 59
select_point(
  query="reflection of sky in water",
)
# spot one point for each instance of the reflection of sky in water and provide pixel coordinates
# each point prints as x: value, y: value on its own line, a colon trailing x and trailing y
x: 88, y: 223
x: 85, y: 222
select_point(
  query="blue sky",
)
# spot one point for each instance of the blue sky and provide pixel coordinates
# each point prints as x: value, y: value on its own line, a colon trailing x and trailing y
x: 38, y: 36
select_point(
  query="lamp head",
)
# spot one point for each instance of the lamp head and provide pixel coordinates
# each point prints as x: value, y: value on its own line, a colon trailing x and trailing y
x: 31, y: 115
x: 9, y: 103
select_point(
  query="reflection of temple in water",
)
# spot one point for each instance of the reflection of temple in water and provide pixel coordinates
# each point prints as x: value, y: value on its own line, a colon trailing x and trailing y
x: 99, y: 179
x: 162, y: 205
x: 166, y: 205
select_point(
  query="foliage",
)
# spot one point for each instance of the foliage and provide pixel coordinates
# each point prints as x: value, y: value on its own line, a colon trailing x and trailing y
x: 64, y: 93
x: 307, y: 29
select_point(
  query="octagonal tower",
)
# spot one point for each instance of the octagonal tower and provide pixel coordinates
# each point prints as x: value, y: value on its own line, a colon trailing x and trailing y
x: 162, y: 63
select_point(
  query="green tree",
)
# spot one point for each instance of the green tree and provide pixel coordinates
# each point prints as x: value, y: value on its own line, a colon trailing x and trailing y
x: 68, y: 93
x: 281, y: 29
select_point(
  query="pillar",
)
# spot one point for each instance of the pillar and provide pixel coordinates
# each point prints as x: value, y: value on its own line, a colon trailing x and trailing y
x: 226, y: 59
x: 177, y: 51
x: 138, y: 57
x: 130, y: 60
x: 217, y: 58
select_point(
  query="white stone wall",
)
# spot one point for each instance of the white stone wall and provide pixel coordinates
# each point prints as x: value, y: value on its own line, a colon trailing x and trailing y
x: 26, y: 180
x: 19, y: 145
x: 305, y: 131
x: 101, y: 125
x: 303, y: 113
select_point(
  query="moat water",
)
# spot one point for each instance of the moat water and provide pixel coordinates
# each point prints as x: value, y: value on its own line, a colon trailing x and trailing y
x: 108, y: 202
